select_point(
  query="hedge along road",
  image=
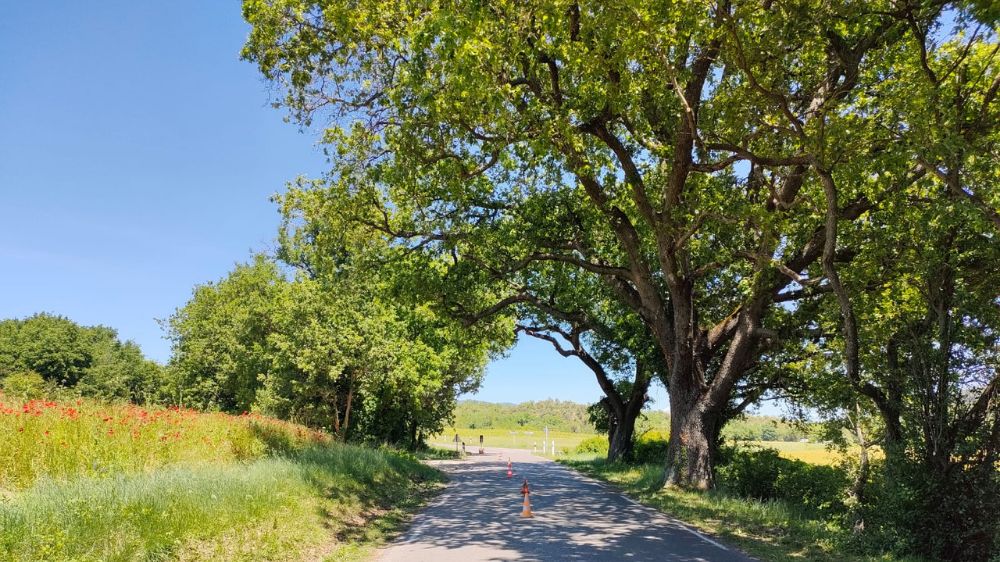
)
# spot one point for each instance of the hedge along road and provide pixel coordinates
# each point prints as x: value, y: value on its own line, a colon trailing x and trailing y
x: 477, y: 517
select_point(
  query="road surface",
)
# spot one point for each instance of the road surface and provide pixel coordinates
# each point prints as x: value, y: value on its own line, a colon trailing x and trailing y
x: 477, y: 517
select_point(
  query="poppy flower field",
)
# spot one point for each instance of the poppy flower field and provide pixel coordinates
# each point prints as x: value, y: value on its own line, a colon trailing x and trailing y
x: 85, y: 480
x: 69, y: 439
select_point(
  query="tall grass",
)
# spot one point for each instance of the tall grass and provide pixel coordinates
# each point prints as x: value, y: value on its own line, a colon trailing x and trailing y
x: 65, y: 440
x: 218, y: 487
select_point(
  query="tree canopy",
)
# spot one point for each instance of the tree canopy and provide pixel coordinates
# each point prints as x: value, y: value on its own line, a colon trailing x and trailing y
x: 697, y: 160
x: 89, y: 360
x: 333, y: 336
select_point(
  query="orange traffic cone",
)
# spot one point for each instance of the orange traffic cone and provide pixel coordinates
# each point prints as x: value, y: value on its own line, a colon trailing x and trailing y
x: 526, y: 509
x: 510, y: 469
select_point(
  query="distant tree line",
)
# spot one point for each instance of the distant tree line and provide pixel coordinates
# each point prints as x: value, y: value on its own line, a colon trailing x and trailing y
x: 557, y: 415
x: 45, y: 354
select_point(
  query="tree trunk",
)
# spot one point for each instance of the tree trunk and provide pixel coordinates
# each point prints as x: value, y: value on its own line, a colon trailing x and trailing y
x: 692, y: 445
x: 336, y: 413
x: 621, y: 435
x: 347, y: 412
x: 861, y: 478
x: 415, y: 438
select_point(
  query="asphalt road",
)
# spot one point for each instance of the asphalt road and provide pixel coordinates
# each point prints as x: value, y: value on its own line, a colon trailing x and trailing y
x: 575, y: 518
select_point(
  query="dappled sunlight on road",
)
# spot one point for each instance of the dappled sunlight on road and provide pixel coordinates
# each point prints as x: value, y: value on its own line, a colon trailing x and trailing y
x: 575, y: 518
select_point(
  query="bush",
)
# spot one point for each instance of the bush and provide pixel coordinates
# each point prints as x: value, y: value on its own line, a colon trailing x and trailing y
x: 763, y: 474
x: 596, y: 444
x: 650, y: 447
x: 820, y: 488
x: 949, y: 516
x: 27, y: 385
x: 750, y: 473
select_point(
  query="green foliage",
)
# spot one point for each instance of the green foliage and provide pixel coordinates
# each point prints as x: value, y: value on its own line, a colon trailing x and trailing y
x: 763, y: 428
x: 821, y: 488
x: 221, y: 348
x: 596, y: 444
x: 685, y: 184
x: 25, y: 384
x: 54, y: 347
x: 615, y: 172
x: 90, y: 361
x: 566, y: 416
x: 950, y: 518
x: 764, y: 475
x: 334, y: 350
x: 651, y: 447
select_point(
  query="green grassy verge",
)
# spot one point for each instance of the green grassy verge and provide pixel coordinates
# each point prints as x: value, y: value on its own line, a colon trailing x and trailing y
x: 84, y: 480
x: 772, y: 530
x: 333, y: 502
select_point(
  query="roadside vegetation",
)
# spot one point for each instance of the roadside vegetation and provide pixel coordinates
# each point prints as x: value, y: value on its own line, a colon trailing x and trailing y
x: 85, y: 480
x: 771, y: 508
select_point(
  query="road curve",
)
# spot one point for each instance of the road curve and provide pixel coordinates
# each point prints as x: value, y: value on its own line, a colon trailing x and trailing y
x: 477, y: 518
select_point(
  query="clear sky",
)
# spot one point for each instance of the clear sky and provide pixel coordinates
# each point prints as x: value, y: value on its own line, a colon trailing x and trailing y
x: 137, y: 156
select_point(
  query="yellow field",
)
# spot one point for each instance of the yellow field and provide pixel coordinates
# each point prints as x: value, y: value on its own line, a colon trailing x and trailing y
x: 812, y: 453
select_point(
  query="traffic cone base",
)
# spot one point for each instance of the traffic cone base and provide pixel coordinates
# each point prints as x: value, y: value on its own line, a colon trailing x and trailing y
x: 526, y: 509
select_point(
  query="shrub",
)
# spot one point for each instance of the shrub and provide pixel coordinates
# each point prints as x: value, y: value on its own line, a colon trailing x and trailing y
x: 763, y: 474
x: 943, y: 516
x: 596, y: 444
x: 650, y: 447
x: 817, y: 487
x: 25, y: 384
x: 750, y: 473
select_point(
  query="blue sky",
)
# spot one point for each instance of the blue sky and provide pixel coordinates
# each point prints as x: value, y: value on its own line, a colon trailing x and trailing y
x: 137, y: 156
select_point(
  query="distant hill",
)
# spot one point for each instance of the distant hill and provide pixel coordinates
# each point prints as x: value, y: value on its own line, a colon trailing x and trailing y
x: 557, y: 415
x: 561, y: 415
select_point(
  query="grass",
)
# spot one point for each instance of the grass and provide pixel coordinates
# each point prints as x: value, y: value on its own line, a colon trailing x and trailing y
x: 262, y: 490
x: 772, y: 530
x: 65, y: 440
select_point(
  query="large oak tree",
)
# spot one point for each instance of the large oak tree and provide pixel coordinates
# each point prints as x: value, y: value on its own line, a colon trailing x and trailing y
x: 695, y: 158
